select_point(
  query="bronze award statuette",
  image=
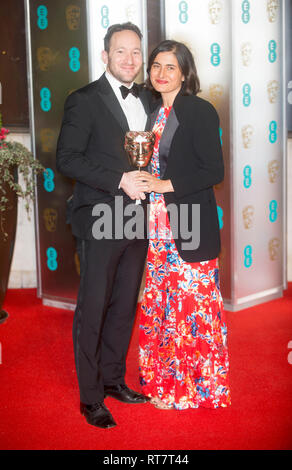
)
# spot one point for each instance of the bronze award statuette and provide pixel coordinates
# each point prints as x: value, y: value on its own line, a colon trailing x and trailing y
x: 139, y: 146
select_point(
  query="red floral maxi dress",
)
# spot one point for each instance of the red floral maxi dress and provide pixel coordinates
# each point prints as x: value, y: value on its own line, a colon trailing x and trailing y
x: 183, y: 336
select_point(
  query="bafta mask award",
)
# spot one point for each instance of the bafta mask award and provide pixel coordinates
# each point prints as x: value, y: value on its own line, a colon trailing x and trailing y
x: 139, y: 146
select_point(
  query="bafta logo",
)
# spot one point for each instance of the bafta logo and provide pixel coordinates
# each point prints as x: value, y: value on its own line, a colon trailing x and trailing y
x: 47, y: 137
x: 73, y: 17
x: 272, y: 10
x: 247, y: 136
x: 215, y: 11
x: 274, y: 249
x: 273, y: 170
x: 273, y: 88
x: 46, y: 58
x: 131, y: 13
x: 246, y: 51
x: 50, y: 217
x: 248, y: 216
x: 216, y: 93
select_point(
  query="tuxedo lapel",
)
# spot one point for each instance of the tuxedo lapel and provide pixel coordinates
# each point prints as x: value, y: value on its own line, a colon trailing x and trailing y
x: 170, y: 128
x: 144, y: 97
x: 153, y: 117
x: 110, y: 100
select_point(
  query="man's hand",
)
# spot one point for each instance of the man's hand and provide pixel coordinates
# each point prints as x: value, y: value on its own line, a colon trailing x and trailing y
x: 133, y: 185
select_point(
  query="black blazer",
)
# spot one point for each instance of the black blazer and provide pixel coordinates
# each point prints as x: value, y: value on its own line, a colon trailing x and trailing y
x: 90, y: 150
x: 190, y: 156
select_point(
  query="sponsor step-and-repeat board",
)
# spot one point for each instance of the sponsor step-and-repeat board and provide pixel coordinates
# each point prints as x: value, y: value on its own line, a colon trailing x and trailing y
x: 238, y: 49
x: 205, y: 28
x: 239, y: 53
x: 65, y: 40
x: 258, y: 149
x: 57, y: 33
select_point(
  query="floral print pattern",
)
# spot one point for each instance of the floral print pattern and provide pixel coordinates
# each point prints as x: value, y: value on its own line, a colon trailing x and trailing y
x: 183, y: 337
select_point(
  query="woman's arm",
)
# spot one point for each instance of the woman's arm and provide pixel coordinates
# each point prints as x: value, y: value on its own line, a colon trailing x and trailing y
x: 155, y: 184
x: 206, y: 153
x: 206, y: 150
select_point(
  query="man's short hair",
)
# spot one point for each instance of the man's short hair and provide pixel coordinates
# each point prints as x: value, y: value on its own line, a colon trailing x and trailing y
x: 116, y: 28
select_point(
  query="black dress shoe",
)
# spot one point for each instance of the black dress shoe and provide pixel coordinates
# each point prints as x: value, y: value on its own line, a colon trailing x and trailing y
x: 125, y: 394
x: 98, y: 415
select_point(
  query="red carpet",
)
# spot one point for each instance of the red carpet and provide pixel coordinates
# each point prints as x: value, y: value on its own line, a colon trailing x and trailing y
x: 39, y: 395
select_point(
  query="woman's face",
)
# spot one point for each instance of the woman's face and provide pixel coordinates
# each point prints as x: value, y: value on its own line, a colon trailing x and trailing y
x: 165, y: 75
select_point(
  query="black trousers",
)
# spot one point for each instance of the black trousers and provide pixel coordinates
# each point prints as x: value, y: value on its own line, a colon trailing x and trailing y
x: 111, y: 273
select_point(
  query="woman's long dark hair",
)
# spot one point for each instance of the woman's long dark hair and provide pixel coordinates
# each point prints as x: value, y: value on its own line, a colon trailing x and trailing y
x: 191, y: 85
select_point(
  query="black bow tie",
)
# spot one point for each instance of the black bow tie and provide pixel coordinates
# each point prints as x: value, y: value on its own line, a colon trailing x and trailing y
x: 125, y: 91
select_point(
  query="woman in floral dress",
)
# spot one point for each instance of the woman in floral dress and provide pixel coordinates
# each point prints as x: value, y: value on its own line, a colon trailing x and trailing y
x: 183, y: 336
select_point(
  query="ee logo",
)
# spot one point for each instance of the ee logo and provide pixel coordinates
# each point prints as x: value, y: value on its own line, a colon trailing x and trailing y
x: 104, y: 16
x: 220, y: 217
x: 42, y: 13
x: 49, y: 183
x: 220, y: 135
x: 272, y: 51
x: 45, y: 95
x: 248, y: 256
x: 273, y: 132
x: 246, y: 89
x: 245, y: 6
x: 183, y: 12
x: 74, y: 55
x: 273, y: 206
x: 247, y: 176
x: 52, y: 262
x: 215, y: 54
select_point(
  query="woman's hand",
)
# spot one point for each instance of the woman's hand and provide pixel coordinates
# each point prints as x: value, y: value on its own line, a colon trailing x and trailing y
x: 133, y: 185
x: 154, y: 184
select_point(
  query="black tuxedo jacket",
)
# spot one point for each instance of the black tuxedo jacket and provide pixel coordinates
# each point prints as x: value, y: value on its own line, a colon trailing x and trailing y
x: 91, y: 151
x: 190, y: 156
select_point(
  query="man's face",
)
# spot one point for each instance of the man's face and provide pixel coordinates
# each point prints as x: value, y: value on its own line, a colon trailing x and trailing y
x: 124, y: 59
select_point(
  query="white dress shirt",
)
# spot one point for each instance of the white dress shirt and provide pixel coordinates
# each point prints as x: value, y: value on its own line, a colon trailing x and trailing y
x: 132, y: 107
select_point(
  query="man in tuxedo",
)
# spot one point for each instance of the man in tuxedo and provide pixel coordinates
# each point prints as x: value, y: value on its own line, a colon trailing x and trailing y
x: 91, y: 151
